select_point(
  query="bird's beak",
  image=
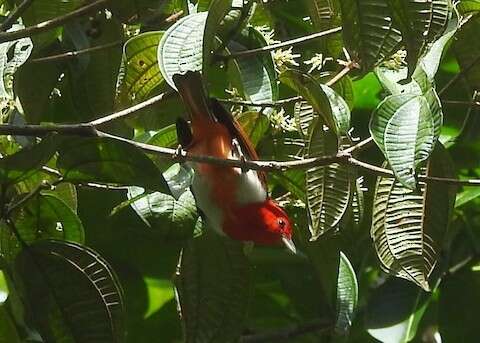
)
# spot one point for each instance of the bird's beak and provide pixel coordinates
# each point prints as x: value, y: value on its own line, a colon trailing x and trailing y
x: 289, y: 243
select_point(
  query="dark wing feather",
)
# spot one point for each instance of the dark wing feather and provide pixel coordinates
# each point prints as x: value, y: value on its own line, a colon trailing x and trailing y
x: 225, y: 117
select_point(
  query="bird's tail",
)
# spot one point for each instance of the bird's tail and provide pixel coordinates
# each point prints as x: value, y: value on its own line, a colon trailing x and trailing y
x: 191, y: 89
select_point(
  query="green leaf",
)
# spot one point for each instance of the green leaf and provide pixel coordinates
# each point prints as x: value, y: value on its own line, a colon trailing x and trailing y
x: 214, y: 288
x: 8, y: 331
x: 255, y: 125
x: 187, y: 33
x: 257, y: 73
x: 306, y: 86
x: 340, y: 110
x: 467, y: 52
x: 420, y: 24
x: 325, y: 15
x: 139, y: 72
x: 42, y: 217
x: 72, y: 293
x: 105, y: 160
x: 466, y: 196
x: 368, y: 31
x: 3, y: 289
x: 21, y: 165
x: 468, y: 6
x: 394, y: 311
x: 329, y: 188
x: 347, y: 295
x: 408, y: 227
x: 406, y: 127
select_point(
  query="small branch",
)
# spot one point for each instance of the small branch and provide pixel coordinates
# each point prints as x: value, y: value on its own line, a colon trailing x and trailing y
x: 291, y: 42
x: 130, y: 110
x: 49, y: 24
x: 359, y: 146
x: 286, y: 334
x: 459, y: 75
x: 72, y: 54
x: 42, y: 186
x: 15, y: 14
x: 466, y: 103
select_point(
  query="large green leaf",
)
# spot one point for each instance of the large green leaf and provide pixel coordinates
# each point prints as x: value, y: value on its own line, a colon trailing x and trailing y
x: 421, y: 22
x: 105, y: 160
x: 406, y: 127
x: 27, y: 161
x: 255, y: 125
x: 408, y: 227
x: 325, y: 15
x: 42, y: 217
x: 214, y: 287
x: 347, y: 295
x: 329, y: 188
x: 468, y: 6
x: 181, y: 47
x: 72, y: 293
x: 257, y: 73
x: 139, y: 73
x: 368, y: 31
x: 394, y: 311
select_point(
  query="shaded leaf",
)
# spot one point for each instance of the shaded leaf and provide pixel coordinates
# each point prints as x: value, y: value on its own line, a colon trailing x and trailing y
x: 105, y: 160
x: 408, y: 227
x: 72, y: 293
x: 8, y: 331
x: 255, y: 125
x: 329, y: 188
x: 394, y: 311
x: 27, y: 161
x: 467, y: 51
x: 214, y: 287
x: 368, y: 31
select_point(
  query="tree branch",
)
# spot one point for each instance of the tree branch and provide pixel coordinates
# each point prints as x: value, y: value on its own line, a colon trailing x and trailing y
x: 72, y: 54
x: 49, y: 24
x: 15, y: 14
x: 291, y: 42
x: 459, y: 75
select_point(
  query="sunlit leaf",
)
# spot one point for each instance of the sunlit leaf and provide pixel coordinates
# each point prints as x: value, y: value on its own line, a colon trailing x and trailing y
x: 408, y: 227
x: 139, y: 73
x: 406, y: 127
x: 181, y: 47
x: 255, y: 125
x: 214, y: 287
x: 347, y: 295
x: 468, y: 6
x: 82, y: 299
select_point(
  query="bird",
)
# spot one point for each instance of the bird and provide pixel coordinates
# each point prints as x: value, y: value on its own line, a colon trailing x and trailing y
x: 232, y: 201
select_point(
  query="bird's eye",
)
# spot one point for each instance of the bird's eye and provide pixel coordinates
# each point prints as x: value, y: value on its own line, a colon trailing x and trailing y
x: 281, y: 223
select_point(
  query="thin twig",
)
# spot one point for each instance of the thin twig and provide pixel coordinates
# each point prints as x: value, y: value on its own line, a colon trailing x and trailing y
x: 15, y: 14
x: 286, y: 334
x: 49, y: 24
x: 291, y: 42
x: 458, y: 102
x: 72, y: 54
x: 462, y: 72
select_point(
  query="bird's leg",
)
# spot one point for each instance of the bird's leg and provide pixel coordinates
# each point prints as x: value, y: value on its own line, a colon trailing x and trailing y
x: 184, y: 132
x: 237, y: 152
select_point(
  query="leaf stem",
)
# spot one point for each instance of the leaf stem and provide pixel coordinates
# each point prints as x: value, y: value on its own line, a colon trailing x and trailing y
x: 49, y: 24
x: 291, y: 42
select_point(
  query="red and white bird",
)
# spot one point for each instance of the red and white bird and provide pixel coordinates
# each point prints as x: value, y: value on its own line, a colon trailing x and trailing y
x: 233, y: 202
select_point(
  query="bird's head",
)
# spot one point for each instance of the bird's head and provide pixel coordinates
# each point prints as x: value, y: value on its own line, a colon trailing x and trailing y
x: 278, y: 223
